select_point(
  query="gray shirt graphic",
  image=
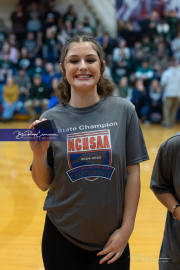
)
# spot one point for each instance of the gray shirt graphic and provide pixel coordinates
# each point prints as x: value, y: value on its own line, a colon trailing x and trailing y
x: 166, y: 179
x: 86, y: 198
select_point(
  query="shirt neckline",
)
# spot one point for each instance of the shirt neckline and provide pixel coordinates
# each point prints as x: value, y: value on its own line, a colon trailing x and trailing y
x: 93, y: 107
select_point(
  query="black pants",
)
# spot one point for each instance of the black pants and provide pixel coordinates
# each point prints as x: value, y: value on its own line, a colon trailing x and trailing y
x: 60, y: 254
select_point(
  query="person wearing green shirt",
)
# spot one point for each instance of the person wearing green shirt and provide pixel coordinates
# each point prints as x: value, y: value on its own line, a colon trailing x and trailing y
x: 38, y: 94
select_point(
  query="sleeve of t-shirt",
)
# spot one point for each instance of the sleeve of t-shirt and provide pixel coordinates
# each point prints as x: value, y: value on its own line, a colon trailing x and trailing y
x: 161, y: 179
x: 136, y: 151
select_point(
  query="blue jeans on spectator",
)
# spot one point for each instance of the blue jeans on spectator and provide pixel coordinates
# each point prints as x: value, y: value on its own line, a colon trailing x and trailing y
x: 9, y: 110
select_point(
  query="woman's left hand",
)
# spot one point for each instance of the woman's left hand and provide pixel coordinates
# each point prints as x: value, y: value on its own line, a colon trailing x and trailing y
x: 114, y: 246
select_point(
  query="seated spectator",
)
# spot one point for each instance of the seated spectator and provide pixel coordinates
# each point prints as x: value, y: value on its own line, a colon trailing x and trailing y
x: 19, y: 20
x: 34, y: 24
x: 137, y: 47
x: 139, y: 97
x: 3, y: 35
x: 53, y: 100
x: 107, y: 44
x: 175, y: 46
x: 39, y: 68
x: 5, y: 67
x: 122, y: 48
x: 10, y: 98
x: 154, y: 102
x: 38, y: 93
x: 70, y: 15
x: 137, y: 60
x: 145, y: 73
x: 31, y: 44
x: 128, y: 33
x: 33, y: 8
x: 121, y: 67
x: 49, y: 49
x: 159, y: 62
x: 87, y: 28
x: 49, y: 75
x: 24, y: 83
x: 12, y: 39
x: 147, y: 45
x: 163, y: 27
x: 78, y: 30
x: 149, y: 25
x: 24, y: 61
x: 173, y: 20
x: 124, y: 90
x: 68, y: 29
x: 53, y: 11
x: 12, y: 51
x: 49, y: 23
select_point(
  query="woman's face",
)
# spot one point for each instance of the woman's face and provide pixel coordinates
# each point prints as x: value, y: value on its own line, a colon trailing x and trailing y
x: 10, y: 80
x: 82, y: 66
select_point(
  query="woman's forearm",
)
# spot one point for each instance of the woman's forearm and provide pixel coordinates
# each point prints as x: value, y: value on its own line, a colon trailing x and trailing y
x: 132, y: 193
x: 168, y: 200
x: 42, y: 173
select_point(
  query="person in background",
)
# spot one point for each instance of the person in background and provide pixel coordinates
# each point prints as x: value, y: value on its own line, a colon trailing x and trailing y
x: 23, y: 81
x: 159, y: 61
x: 139, y: 97
x: 154, y: 103
x: 34, y: 23
x: 38, y: 94
x: 49, y: 75
x: 124, y: 90
x: 53, y: 99
x: 24, y: 61
x: 5, y: 67
x: 175, y: 46
x: 170, y: 82
x: 52, y: 10
x: 70, y: 15
x: 145, y: 73
x: 49, y: 48
x: 117, y: 52
x: 19, y: 21
x: 136, y: 60
x: 163, y: 27
x: 173, y: 21
x: 78, y: 30
x: 87, y: 28
x: 12, y: 51
x: 38, y: 67
x: 10, y: 98
x: 32, y: 45
x: 147, y: 45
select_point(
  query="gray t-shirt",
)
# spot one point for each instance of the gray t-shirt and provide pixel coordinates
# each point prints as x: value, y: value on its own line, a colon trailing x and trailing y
x: 86, y: 198
x: 166, y: 179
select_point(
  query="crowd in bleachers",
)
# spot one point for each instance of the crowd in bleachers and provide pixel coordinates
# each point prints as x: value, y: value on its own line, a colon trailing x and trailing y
x: 141, y: 60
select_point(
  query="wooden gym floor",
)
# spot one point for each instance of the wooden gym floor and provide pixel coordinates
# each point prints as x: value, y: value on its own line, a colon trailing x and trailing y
x: 22, y: 217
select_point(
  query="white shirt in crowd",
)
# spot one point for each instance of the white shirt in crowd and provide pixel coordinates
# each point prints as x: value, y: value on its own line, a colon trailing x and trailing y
x: 170, y: 80
x: 117, y: 54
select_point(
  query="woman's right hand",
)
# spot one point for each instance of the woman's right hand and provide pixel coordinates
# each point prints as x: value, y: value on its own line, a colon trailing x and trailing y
x: 39, y: 148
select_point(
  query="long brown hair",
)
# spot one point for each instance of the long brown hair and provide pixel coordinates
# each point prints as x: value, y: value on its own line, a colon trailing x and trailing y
x: 104, y: 87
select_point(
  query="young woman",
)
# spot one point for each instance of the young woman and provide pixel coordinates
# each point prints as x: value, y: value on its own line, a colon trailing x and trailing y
x: 93, y: 177
x: 10, y: 99
x: 165, y: 184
